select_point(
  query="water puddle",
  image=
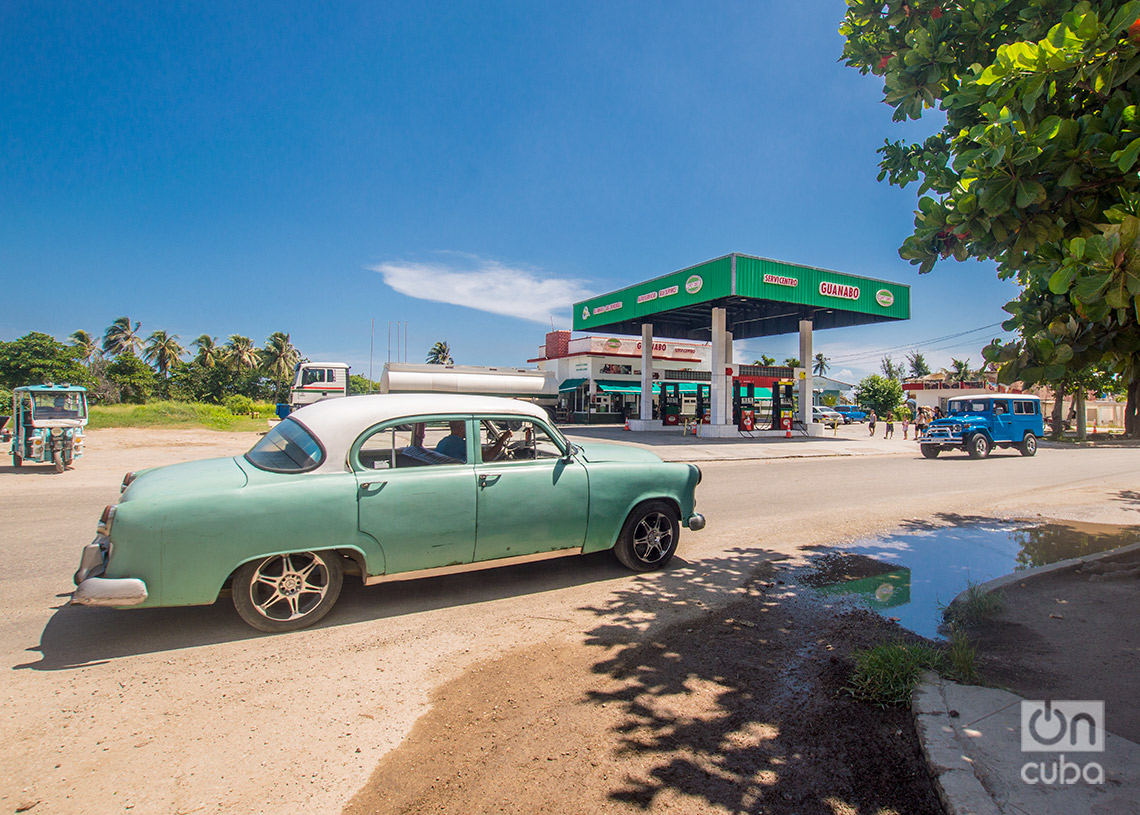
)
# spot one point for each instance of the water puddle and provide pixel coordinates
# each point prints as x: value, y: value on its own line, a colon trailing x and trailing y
x: 912, y: 575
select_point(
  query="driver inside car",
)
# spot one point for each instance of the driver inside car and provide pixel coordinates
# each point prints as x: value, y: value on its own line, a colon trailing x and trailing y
x: 455, y: 445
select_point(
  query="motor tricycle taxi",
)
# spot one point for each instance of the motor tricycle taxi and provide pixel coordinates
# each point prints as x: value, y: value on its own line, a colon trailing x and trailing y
x: 46, y: 425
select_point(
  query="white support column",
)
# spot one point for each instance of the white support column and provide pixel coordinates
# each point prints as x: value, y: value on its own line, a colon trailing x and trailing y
x: 728, y: 363
x: 718, y: 388
x: 806, y: 361
x: 646, y: 413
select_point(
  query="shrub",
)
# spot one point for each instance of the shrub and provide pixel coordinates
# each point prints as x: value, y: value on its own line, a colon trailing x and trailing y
x: 239, y: 405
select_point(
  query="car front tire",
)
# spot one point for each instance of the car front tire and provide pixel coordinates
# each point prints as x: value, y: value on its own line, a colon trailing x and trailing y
x: 287, y: 592
x: 1028, y: 446
x: 978, y: 446
x: 929, y: 450
x: 649, y: 537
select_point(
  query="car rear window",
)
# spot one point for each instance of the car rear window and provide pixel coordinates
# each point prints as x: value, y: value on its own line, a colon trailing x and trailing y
x: 287, y: 448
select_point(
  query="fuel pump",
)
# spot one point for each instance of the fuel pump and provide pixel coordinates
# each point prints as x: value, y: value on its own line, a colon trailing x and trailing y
x: 744, y: 405
x: 670, y: 403
x: 783, y: 404
x: 704, y: 402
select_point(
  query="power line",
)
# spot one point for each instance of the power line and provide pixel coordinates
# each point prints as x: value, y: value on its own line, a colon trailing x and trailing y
x: 847, y: 358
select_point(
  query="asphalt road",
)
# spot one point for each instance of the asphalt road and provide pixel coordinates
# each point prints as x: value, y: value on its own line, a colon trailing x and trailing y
x: 189, y: 710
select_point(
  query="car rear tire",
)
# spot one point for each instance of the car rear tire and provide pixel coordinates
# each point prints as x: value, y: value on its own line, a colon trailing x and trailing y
x: 287, y: 592
x: 1028, y: 446
x: 929, y: 450
x: 978, y: 446
x: 649, y: 537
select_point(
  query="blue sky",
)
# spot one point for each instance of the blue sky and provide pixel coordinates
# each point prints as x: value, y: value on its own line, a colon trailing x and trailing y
x: 467, y: 168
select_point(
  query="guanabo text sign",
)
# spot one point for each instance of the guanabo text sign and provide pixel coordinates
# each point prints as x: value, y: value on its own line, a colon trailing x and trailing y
x: 833, y: 290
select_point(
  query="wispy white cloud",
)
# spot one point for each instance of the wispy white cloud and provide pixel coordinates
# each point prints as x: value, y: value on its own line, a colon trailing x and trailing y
x: 486, y: 285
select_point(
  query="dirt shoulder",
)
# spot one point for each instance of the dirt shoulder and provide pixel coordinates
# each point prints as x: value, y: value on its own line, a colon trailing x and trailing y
x: 742, y: 710
x: 1072, y: 634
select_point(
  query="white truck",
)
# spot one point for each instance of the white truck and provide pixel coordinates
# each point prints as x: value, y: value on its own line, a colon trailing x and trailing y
x: 314, y: 381
x: 528, y: 384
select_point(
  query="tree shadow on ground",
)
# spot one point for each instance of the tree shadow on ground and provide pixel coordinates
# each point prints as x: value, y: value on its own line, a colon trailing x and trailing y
x: 77, y: 636
x: 745, y: 709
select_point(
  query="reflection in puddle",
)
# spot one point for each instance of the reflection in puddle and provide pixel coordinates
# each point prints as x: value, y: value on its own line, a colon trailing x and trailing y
x: 911, y: 576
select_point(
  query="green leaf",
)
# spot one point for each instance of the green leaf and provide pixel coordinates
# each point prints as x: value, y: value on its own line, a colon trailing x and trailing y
x: 996, y: 197
x: 1029, y: 192
x: 1097, y: 249
x: 1062, y: 279
x: 1063, y: 353
x: 1089, y: 288
x: 1071, y: 177
x: 1077, y: 248
x: 1127, y: 157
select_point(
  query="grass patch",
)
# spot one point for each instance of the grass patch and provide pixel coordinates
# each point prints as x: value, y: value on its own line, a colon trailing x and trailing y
x: 961, y: 658
x: 887, y: 674
x: 177, y: 414
x: 973, y: 606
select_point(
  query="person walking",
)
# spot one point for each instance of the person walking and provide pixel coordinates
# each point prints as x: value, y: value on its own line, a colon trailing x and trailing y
x: 889, y: 430
x: 871, y: 419
x: 906, y: 422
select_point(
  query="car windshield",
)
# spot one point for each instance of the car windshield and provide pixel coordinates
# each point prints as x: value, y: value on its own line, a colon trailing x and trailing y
x: 287, y: 448
x: 59, y: 405
x: 968, y: 406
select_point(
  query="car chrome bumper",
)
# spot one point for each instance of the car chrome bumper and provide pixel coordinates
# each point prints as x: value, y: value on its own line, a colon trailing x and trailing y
x: 696, y: 522
x: 109, y: 591
x: 94, y: 590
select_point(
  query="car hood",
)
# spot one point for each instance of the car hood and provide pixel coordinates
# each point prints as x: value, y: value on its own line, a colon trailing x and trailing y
x: 210, y: 474
x: 960, y: 418
x: 600, y: 451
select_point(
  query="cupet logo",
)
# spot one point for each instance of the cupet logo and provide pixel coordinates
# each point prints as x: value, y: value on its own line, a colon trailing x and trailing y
x: 585, y: 312
x: 694, y: 284
x: 884, y: 298
x: 1072, y: 726
x: 613, y: 343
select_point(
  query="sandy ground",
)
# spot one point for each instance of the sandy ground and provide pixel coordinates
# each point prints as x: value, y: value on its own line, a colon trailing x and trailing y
x: 188, y: 710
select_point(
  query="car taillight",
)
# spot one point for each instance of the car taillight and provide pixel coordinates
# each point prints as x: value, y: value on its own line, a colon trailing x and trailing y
x: 106, y: 520
x: 127, y: 479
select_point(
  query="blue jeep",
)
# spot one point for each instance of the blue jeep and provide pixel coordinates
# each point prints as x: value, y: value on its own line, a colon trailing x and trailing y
x: 851, y: 413
x: 977, y: 424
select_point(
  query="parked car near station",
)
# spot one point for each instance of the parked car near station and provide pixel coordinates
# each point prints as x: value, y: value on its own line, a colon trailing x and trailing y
x: 977, y: 424
x: 851, y: 413
x: 826, y: 416
x: 386, y: 487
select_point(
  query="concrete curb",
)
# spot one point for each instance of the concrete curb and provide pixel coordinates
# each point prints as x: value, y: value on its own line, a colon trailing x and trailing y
x: 1061, y: 565
x: 955, y: 775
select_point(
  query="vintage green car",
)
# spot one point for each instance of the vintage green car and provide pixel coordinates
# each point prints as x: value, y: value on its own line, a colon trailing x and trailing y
x: 386, y: 487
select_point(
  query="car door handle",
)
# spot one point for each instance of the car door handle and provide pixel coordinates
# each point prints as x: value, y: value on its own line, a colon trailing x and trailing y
x: 486, y: 480
x: 367, y: 485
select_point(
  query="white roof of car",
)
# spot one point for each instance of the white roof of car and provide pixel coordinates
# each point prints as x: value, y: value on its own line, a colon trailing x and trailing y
x: 337, y: 422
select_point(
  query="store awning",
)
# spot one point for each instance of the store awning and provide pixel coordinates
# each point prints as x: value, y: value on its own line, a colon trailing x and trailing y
x: 686, y: 387
x: 570, y: 385
x: 615, y: 386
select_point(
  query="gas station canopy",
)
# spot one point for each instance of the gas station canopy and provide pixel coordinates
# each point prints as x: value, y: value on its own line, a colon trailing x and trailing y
x: 760, y: 297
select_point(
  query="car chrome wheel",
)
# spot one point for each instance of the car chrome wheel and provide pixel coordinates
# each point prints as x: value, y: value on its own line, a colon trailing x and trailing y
x: 649, y: 537
x: 1028, y: 445
x: 978, y: 446
x: 286, y: 592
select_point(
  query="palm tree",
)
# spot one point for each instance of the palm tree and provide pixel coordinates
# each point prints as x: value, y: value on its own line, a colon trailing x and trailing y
x: 891, y: 369
x: 792, y: 362
x: 765, y: 360
x: 959, y: 370
x: 209, y: 352
x: 821, y: 365
x: 87, y: 345
x: 918, y: 366
x: 240, y: 353
x: 440, y: 354
x: 279, y: 358
x: 162, y: 351
x: 120, y: 337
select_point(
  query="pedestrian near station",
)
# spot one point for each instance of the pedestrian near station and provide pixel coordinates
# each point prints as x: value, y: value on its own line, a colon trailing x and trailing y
x: 871, y: 419
x: 889, y: 430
